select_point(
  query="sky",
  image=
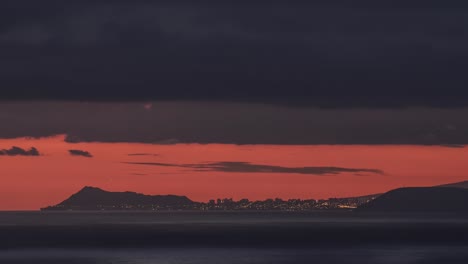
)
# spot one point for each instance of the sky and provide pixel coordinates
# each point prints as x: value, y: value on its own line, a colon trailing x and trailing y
x: 209, y: 171
x: 228, y: 98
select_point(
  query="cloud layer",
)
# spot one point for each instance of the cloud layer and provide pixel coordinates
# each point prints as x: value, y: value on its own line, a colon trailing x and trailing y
x: 246, y: 167
x: 195, y: 122
x: 301, y: 53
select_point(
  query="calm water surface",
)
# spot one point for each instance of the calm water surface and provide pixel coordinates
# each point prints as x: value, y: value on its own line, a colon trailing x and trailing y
x: 231, y: 238
x: 411, y: 255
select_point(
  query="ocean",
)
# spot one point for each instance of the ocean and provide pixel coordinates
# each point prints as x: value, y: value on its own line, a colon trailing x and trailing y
x: 231, y: 238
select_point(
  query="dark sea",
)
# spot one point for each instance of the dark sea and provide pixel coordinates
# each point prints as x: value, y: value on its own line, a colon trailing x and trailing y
x: 231, y: 238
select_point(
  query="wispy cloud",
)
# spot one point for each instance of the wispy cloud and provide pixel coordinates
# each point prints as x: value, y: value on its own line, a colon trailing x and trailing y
x: 76, y: 152
x: 139, y: 174
x: 246, y: 167
x: 17, y: 151
x: 142, y: 154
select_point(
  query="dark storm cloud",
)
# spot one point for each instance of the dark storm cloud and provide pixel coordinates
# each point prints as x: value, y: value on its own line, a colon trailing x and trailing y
x: 202, y: 122
x: 17, y: 151
x: 246, y: 167
x: 76, y: 152
x: 300, y: 53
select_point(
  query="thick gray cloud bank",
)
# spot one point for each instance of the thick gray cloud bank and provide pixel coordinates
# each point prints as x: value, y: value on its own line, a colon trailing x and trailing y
x: 76, y: 152
x: 17, y: 151
x: 246, y: 167
x: 196, y: 122
x: 330, y: 53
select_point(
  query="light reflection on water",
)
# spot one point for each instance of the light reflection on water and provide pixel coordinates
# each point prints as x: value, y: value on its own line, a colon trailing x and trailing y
x: 389, y: 255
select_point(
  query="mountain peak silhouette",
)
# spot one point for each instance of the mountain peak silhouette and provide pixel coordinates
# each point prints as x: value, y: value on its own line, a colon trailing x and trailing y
x: 93, y: 198
x: 91, y: 189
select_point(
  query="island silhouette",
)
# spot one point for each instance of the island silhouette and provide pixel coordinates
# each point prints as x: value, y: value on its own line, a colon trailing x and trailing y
x: 444, y: 198
x: 419, y: 199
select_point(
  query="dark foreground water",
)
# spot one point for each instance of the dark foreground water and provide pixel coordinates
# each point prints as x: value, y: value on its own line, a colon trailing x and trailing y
x: 231, y: 238
x: 401, y: 255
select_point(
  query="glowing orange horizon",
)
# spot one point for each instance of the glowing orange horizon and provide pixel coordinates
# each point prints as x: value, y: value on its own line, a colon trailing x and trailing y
x: 29, y: 183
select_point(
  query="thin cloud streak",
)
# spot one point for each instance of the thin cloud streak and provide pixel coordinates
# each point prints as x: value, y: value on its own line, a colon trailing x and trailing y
x: 76, y: 152
x: 142, y: 154
x: 453, y: 145
x: 246, y: 167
